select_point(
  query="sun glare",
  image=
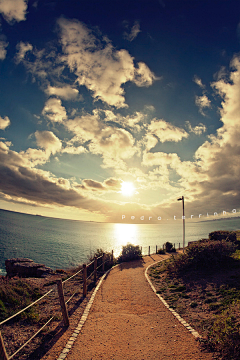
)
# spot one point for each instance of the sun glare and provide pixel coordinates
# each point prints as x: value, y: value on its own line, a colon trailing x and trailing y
x: 127, y: 188
x: 124, y: 233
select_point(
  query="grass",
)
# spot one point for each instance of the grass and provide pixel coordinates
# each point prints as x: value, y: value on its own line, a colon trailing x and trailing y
x: 16, y: 294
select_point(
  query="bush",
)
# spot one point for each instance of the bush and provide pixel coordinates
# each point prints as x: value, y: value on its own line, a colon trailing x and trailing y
x: 130, y: 252
x: 224, y: 335
x: 223, y: 235
x: 169, y: 247
x: 161, y: 251
x: 202, y: 256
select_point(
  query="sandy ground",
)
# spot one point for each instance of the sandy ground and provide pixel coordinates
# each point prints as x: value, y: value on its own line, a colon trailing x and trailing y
x: 128, y: 321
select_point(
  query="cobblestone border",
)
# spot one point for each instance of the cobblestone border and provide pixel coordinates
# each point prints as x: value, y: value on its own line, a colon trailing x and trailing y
x: 180, y: 319
x: 77, y: 330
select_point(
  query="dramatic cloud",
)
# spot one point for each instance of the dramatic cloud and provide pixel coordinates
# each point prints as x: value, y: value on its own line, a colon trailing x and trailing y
x: 13, y: 10
x: 135, y: 30
x: 3, y: 51
x: 20, y: 182
x: 54, y: 111
x: 98, y: 66
x: 110, y: 184
x: 4, y: 123
x: 64, y: 92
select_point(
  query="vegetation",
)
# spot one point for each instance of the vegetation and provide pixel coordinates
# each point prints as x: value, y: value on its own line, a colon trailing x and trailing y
x: 169, y: 247
x: 130, y: 252
x: 15, y: 295
x: 203, y: 285
x: 205, y: 255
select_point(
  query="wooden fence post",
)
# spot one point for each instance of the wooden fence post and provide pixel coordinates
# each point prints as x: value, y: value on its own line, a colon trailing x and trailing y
x: 112, y: 256
x: 149, y: 250
x: 156, y: 249
x: 3, y: 353
x: 95, y: 269
x: 62, y: 302
x: 84, y: 280
x: 103, y: 262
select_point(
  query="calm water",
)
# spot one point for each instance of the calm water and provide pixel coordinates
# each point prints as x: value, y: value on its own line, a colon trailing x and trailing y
x: 65, y: 243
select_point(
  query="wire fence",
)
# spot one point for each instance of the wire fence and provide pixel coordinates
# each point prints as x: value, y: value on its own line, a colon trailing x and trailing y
x: 53, y: 306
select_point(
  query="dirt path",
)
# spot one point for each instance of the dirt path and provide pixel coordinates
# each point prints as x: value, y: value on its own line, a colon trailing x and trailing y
x: 128, y: 321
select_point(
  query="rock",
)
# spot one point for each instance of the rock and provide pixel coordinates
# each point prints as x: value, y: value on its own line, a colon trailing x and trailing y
x: 26, y: 268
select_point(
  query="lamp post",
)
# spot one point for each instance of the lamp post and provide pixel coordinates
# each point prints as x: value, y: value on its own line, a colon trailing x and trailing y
x: 183, y: 217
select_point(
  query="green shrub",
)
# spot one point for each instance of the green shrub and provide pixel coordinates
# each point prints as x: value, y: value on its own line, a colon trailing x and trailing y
x: 202, y: 256
x: 130, y: 252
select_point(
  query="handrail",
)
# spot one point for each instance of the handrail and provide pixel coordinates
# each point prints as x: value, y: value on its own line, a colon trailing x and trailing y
x: 42, y: 297
x: 28, y: 341
x: 72, y: 276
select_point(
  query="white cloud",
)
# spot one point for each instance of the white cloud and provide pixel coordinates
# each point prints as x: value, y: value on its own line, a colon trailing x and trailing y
x: 160, y: 158
x: 143, y: 75
x: 98, y: 66
x: 22, y: 49
x: 198, y: 81
x: 198, y: 129
x: 112, y: 143
x: 130, y: 121
x: 202, y: 102
x: 74, y: 150
x: 65, y: 92
x: 3, y: 51
x: 13, y: 10
x: 48, y: 141
x: 135, y: 30
x: 4, y: 123
x: 54, y: 111
x: 164, y: 131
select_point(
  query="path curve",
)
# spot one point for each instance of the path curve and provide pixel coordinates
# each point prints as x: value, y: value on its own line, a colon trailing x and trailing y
x: 127, y: 321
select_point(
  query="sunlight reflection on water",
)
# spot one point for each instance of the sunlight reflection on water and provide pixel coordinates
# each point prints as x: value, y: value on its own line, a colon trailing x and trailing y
x: 125, y: 233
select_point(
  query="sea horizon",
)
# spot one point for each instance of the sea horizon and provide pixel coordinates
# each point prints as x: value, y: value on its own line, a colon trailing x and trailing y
x: 65, y: 243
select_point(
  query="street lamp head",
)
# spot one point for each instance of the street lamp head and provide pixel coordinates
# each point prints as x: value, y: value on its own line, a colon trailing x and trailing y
x: 180, y: 198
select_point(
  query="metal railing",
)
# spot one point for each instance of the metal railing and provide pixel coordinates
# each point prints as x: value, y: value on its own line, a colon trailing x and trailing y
x: 88, y: 271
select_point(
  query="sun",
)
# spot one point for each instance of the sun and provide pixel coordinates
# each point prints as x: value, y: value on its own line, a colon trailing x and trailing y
x: 127, y: 188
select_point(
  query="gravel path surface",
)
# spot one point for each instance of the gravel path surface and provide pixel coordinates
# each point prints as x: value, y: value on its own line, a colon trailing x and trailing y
x: 128, y: 321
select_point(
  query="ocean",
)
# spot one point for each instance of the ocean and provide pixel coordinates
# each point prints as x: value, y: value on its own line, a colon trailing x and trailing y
x: 63, y: 244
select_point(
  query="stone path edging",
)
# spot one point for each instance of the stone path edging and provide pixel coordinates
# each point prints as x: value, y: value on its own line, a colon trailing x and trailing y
x: 74, y: 335
x: 180, y: 319
x: 77, y: 330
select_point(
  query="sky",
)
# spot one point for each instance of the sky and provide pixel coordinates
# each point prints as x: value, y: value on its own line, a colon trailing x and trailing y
x: 111, y: 111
